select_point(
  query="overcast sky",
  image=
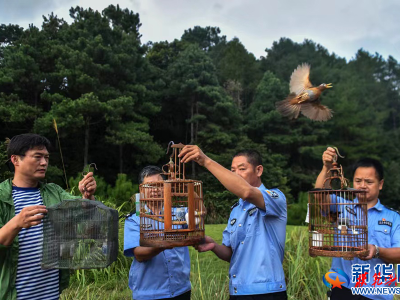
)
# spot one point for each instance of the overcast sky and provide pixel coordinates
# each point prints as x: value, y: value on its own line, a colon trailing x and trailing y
x: 341, y: 26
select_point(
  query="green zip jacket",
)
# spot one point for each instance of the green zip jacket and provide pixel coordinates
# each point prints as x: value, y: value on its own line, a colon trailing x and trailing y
x: 51, y: 194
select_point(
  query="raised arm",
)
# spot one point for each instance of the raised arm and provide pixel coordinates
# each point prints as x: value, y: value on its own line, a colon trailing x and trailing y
x: 231, y: 181
x: 327, y: 160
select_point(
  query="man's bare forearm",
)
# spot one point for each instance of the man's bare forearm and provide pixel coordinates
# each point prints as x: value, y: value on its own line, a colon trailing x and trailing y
x: 235, y: 184
x: 223, y: 252
x: 145, y: 253
x: 319, y: 183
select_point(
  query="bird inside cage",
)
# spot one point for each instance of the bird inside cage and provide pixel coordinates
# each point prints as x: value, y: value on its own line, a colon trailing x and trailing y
x: 79, y: 234
x: 171, y: 208
x: 154, y: 206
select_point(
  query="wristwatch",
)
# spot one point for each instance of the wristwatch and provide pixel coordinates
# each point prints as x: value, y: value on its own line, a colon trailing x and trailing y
x: 376, y: 252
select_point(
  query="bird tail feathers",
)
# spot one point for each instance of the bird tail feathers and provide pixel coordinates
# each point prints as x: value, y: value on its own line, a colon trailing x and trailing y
x: 289, y: 107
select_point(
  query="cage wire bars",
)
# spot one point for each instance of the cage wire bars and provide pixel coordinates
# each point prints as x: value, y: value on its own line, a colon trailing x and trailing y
x: 172, y: 211
x: 79, y: 234
x: 338, y: 224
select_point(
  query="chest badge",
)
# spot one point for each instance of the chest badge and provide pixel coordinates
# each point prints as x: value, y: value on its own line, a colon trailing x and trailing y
x: 384, y: 222
x: 252, y: 211
x: 233, y: 221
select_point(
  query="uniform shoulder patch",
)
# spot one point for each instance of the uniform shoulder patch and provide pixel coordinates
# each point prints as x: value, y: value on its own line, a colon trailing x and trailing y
x: 126, y: 216
x: 234, y: 205
x: 273, y: 194
x: 392, y: 209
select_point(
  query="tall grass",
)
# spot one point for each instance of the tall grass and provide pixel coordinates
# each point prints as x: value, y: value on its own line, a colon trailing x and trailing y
x: 303, y: 273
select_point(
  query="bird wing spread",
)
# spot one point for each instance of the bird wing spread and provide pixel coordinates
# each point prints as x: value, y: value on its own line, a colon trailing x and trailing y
x: 316, y: 111
x: 299, y: 81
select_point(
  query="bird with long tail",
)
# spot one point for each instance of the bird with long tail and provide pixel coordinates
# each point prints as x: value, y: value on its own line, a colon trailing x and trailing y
x: 304, y: 97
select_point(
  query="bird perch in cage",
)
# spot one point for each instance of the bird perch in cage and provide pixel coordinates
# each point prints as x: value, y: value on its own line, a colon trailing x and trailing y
x: 172, y: 211
x: 338, y: 224
x: 79, y: 234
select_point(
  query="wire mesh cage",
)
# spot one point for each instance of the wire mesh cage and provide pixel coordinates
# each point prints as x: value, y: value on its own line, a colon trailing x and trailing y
x: 338, y: 224
x: 172, y: 211
x: 79, y: 234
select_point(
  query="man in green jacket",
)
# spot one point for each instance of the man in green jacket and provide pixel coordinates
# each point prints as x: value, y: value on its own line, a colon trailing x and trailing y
x: 23, y: 202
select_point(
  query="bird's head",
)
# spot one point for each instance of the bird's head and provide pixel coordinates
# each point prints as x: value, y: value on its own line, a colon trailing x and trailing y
x: 324, y: 86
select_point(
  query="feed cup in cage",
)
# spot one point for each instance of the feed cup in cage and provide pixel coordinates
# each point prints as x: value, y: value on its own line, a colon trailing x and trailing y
x: 79, y: 234
x: 172, y: 211
x: 317, y: 239
x: 338, y: 224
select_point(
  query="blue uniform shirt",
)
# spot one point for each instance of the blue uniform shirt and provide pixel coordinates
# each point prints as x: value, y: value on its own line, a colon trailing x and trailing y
x: 350, y: 217
x: 257, y: 239
x: 166, y: 275
x: 383, y: 231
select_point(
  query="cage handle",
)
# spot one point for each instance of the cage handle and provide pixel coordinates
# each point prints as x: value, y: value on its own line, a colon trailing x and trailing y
x: 84, y: 173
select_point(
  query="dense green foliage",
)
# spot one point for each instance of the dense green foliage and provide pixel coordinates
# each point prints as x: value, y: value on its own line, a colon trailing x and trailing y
x: 118, y: 103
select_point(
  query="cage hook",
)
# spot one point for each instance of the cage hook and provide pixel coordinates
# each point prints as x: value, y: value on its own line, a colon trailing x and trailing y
x: 84, y: 173
x: 337, y: 154
x: 171, y: 143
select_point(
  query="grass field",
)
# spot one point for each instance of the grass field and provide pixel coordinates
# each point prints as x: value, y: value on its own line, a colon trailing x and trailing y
x: 303, y: 273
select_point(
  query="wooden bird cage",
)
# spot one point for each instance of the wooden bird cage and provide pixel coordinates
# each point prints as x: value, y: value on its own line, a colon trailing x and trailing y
x: 338, y: 224
x: 172, y: 211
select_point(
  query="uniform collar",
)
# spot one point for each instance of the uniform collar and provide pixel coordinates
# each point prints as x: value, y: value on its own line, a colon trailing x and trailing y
x: 243, y: 202
x: 378, y: 206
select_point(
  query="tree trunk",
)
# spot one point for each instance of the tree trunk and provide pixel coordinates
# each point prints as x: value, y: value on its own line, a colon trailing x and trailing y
x: 121, y: 161
x: 192, y: 141
x: 197, y: 123
x: 86, y: 150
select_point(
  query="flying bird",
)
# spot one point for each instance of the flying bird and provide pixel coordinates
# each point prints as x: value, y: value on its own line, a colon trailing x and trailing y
x: 304, y: 97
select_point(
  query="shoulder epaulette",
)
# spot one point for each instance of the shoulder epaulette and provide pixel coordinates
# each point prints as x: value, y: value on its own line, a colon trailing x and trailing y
x: 126, y: 216
x: 234, y: 205
x: 392, y: 209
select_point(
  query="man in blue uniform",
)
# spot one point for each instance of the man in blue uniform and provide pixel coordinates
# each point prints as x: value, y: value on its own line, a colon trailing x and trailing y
x: 254, y: 239
x: 156, y: 273
x: 383, y: 230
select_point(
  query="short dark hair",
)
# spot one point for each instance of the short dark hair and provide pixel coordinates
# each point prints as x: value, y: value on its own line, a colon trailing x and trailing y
x: 369, y: 163
x: 148, y: 171
x: 21, y: 143
x: 253, y: 156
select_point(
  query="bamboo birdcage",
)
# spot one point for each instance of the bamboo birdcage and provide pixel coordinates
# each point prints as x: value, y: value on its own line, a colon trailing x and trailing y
x: 338, y: 218
x: 172, y: 211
